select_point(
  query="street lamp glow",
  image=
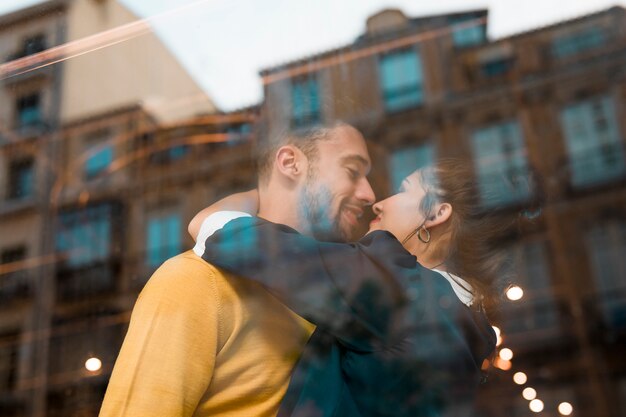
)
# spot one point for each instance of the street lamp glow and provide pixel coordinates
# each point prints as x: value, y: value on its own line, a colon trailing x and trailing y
x: 506, y: 354
x: 536, y: 406
x: 515, y: 293
x: 93, y: 364
x: 529, y: 393
x: 565, y: 408
x: 502, y: 364
x: 520, y: 378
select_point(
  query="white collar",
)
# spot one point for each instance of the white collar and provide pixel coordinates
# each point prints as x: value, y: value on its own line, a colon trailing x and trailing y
x: 461, y: 288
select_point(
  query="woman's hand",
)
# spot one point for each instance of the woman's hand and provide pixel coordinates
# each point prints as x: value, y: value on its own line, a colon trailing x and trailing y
x: 247, y: 202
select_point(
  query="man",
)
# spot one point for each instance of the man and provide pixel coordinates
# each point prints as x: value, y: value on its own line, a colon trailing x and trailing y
x: 202, y: 342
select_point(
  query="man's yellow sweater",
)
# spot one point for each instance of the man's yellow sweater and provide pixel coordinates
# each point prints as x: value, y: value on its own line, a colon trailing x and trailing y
x: 204, y: 343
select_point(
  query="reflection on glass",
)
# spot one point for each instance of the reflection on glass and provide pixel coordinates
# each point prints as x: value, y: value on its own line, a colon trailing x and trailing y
x: 594, y: 145
x: 93, y: 364
x: 163, y: 238
x: 529, y: 393
x: 99, y: 161
x: 607, y: 245
x: 305, y: 102
x: 84, y: 235
x: 520, y: 378
x: 578, y: 42
x: 471, y: 34
x: 565, y: 409
x: 21, y: 179
x: 401, y: 80
x: 28, y: 110
x: 501, y: 162
x: 404, y: 161
x: 506, y: 354
x: 106, y: 154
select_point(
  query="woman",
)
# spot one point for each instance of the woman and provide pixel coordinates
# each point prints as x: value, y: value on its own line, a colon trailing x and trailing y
x: 399, y: 332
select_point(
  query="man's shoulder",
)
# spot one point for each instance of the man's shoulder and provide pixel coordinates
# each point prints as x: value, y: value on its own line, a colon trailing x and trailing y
x: 184, y: 271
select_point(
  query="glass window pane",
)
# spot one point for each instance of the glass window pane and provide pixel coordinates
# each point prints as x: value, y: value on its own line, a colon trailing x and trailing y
x: 501, y: 163
x: 401, y: 80
x: 594, y: 146
x: 405, y: 161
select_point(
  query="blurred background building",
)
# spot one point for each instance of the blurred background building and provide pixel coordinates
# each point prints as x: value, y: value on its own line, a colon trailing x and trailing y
x: 105, y: 157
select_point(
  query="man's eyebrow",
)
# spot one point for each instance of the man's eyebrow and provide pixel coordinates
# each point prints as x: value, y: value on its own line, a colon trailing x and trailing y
x: 355, y: 158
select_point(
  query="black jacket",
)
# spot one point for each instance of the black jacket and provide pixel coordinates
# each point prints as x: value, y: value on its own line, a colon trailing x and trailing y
x: 392, y: 338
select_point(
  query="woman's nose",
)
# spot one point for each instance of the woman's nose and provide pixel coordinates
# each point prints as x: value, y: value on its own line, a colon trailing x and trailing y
x: 377, y: 208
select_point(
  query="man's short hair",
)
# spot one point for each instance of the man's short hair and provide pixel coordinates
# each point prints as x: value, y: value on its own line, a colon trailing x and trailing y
x: 305, y: 139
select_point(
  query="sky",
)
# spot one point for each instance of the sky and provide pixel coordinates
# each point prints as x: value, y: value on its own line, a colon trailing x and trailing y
x: 224, y: 43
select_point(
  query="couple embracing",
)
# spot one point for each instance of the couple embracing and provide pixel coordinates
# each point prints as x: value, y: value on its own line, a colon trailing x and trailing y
x: 273, y: 313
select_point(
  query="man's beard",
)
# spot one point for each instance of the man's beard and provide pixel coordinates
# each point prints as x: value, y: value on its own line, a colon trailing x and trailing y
x: 314, y: 208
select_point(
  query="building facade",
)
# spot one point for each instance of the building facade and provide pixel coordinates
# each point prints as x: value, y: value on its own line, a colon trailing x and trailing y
x: 83, y: 112
x: 541, y: 117
x: 103, y: 167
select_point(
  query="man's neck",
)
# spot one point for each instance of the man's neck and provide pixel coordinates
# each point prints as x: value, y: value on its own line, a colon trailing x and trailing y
x: 279, y: 206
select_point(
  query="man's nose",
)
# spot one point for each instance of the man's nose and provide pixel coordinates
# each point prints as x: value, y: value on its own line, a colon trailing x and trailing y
x: 365, y: 193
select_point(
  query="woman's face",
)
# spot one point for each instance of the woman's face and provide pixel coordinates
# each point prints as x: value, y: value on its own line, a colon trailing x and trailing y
x: 400, y: 214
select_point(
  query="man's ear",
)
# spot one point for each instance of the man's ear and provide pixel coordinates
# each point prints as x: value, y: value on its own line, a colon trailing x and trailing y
x: 290, y: 161
x: 441, y: 215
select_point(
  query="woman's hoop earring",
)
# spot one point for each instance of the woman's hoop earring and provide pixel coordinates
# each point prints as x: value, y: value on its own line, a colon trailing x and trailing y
x: 419, y: 235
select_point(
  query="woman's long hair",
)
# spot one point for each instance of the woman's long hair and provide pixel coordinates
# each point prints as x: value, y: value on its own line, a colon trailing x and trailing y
x: 470, y: 235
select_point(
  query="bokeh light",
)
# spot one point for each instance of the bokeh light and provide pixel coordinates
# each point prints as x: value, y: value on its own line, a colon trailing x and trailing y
x: 506, y: 354
x: 93, y: 364
x: 515, y: 293
x: 529, y: 393
x: 565, y: 408
x: 520, y: 378
x: 536, y: 406
x: 502, y: 364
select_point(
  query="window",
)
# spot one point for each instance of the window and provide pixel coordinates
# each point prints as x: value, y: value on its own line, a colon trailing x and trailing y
x: 238, y: 133
x: 594, y: 147
x: 471, y: 34
x: 84, y: 236
x: 100, y: 152
x: 169, y: 155
x: 34, y: 44
x: 531, y: 272
x: 9, y: 349
x: 21, y: 179
x: 13, y: 285
x: 99, y: 161
x: 28, y: 110
x: 163, y: 238
x: 305, y: 102
x: 404, y: 161
x: 577, y: 42
x: 501, y: 163
x: 401, y: 80
x: 30, y: 46
x: 75, y: 339
x: 497, y: 67
x: 607, y: 245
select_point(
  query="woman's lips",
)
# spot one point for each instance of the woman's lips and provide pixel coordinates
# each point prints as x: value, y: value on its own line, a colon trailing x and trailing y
x: 373, y: 222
